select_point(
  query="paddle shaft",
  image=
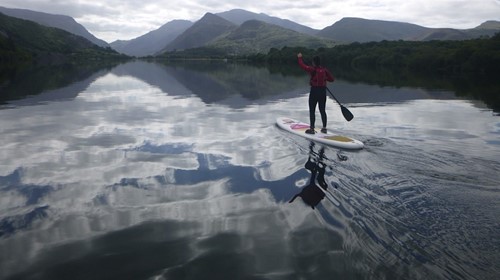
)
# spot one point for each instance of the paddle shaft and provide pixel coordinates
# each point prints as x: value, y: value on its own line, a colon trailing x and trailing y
x: 333, y: 96
x: 347, y: 114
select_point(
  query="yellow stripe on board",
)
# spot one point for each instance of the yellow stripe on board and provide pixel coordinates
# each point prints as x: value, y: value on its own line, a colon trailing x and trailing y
x: 339, y: 138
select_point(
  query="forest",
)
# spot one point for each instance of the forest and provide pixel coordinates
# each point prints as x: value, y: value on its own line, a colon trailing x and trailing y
x: 477, y: 56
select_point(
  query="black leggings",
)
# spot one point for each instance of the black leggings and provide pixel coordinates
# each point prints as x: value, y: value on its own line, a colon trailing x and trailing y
x: 317, y: 96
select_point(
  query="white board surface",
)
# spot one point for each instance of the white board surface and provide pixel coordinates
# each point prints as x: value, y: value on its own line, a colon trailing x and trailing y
x: 329, y: 138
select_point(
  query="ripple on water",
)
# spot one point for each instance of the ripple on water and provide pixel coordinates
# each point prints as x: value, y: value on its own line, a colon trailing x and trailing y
x: 436, y: 212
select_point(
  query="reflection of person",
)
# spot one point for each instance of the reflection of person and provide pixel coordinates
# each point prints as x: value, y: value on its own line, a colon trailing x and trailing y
x: 317, y: 95
x: 312, y: 194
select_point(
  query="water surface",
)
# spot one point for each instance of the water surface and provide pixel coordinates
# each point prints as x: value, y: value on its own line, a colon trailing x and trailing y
x: 147, y: 170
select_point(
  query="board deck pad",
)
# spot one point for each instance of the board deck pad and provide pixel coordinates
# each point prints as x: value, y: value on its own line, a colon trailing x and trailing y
x: 328, y: 138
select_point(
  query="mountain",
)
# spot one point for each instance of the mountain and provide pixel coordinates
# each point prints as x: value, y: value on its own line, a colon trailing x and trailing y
x: 28, y: 40
x: 239, y: 16
x: 489, y: 25
x: 360, y: 30
x: 157, y: 40
x: 154, y: 41
x: 256, y: 36
x: 209, y: 27
x: 238, y: 31
x: 487, y: 28
x: 444, y: 34
x: 349, y: 30
x: 58, y: 21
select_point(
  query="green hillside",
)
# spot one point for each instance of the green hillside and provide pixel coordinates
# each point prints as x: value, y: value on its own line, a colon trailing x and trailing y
x: 200, y: 33
x: 259, y: 37
x: 23, y: 40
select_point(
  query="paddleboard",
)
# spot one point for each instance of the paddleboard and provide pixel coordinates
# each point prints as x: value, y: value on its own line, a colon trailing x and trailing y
x: 329, y: 138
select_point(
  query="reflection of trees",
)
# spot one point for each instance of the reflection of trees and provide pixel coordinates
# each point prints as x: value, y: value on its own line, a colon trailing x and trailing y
x: 480, y: 87
x: 19, y: 83
x: 484, y: 88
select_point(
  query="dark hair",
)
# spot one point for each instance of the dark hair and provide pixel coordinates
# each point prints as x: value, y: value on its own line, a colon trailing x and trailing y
x: 317, y: 60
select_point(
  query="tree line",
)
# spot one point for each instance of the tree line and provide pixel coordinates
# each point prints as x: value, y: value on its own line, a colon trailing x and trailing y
x: 479, y: 56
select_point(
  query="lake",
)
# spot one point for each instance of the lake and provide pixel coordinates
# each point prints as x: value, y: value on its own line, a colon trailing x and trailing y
x: 177, y: 171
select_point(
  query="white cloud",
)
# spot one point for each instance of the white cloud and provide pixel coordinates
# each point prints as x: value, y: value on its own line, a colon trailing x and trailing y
x: 127, y: 19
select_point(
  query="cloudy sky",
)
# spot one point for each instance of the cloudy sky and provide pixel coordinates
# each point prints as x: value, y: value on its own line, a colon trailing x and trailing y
x: 126, y: 19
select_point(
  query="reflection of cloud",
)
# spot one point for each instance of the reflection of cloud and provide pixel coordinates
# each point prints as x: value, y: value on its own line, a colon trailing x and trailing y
x: 206, y: 205
x: 127, y: 156
x: 11, y: 225
x: 119, y: 127
x: 84, y: 150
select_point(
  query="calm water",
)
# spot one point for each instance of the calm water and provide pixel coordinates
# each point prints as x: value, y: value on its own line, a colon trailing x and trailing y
x: 148, y: 171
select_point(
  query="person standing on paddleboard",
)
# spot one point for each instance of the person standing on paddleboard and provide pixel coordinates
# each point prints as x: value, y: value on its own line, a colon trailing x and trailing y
x: 317, y: 95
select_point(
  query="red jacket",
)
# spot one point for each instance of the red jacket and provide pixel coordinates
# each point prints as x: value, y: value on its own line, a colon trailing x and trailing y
x: 317, y: 80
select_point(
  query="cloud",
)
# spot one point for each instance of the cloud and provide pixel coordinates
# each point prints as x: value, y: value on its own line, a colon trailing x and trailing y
x: 127, y: 19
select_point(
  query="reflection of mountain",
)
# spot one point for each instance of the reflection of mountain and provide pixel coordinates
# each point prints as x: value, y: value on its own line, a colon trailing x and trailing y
x: 152, y: 73
x: 215, y: 82
x: 49, y: 83
x: 235, y: 85
x: 225, y: 83
x: 222, y: 80
x: 240, y: 85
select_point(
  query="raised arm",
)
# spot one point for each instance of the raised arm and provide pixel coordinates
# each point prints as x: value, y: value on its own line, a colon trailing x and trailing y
x: 303, y: 65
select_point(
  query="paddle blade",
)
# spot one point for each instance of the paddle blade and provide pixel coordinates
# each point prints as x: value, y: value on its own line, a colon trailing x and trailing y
x: 347, y: 114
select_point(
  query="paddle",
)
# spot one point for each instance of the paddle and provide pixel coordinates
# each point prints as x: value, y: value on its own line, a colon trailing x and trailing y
x: 347, y: 114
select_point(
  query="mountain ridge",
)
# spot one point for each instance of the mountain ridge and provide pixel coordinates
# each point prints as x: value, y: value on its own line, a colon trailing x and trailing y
x: 63, y: 22
x: 258, y: 36
x: 350, y: 29
x: 182, y: 34
x: 153, y: 41
x: 361, y: 30
x: 201, y: 32
x: 25, y: 40
x: 239, y: 16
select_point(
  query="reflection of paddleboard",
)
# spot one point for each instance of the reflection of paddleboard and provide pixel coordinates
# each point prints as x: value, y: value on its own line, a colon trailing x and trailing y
x: 329, y: 138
